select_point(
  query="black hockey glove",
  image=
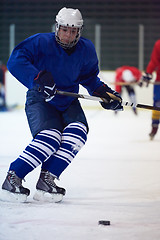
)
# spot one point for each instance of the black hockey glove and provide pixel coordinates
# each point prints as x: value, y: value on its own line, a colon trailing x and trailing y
x: 146, y: 77
x: 46, y: 85
x: 114, y: 103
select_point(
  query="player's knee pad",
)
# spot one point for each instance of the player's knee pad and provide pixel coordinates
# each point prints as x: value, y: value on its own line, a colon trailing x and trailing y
x: 74, y: 137
x: 43, y: 146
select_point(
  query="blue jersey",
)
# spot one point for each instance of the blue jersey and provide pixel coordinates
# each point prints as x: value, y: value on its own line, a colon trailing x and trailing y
x: 42, y: 52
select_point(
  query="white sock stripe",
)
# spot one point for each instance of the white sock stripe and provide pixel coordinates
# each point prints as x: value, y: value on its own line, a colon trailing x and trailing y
x: 75, y: 146
x: 68, y: 142
x: 66, y: 151
x: 44, y: 146
x: 47, y: 150
x: 31, y: 157
x: 28, y: 162
x: 78, y: 125
x: 51, y: 131
x: 50, y: 136
x: 53, y: 134
x: 66, y: 154
x: 73, y: 140
x: 39, y: 150
x: 72, y: 137
x: 63, y: 158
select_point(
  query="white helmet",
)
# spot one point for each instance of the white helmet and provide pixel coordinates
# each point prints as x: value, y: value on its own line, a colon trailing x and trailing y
x: 128, y: 76
x: 69, y: 17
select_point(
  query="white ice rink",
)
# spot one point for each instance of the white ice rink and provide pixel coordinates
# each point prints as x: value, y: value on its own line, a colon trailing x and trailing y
x: 115, y: 177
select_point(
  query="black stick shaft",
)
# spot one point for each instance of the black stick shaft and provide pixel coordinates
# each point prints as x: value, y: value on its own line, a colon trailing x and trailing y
x: 77, y: 95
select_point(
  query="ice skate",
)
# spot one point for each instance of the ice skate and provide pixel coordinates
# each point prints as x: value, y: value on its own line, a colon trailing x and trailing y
x: 12, y: 189
x: 153, y: 132
x: 47, y: 190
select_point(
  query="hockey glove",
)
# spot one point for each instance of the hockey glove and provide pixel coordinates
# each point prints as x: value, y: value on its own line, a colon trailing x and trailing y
x: 114, y: 99
x: 46, y: 85
x: 146, y: 77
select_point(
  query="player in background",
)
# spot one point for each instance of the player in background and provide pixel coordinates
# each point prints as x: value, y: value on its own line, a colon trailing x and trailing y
x: 127, y: 75
x: 154, y: 66
x: 43, y: 63
x: 3, y: 70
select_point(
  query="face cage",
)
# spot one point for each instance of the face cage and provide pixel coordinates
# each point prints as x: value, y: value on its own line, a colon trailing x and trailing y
x: 68, y: 45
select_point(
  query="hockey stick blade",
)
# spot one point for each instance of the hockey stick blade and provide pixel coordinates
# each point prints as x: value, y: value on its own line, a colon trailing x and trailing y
x: 99, y: 99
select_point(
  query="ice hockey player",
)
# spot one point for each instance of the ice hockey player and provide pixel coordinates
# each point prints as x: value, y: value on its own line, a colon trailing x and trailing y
x: 128, y: 75
x: 154, y: 65
x: 43, y: 63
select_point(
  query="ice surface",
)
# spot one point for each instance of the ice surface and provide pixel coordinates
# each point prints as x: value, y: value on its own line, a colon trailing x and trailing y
x: 115, y: 177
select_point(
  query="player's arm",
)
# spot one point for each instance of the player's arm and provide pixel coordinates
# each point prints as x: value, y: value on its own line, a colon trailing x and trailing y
x: 97, y: 88
x: 114, y: 99
x: 20, y: 63
x: 153, y: 64
x: 91, y: 81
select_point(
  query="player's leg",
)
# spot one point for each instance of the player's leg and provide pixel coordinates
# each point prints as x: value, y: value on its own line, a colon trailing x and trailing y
x: 46, y: 126
x: 155, y: 114
x: 155, y: 124
x: 132, y: 97
x: 74, y: 137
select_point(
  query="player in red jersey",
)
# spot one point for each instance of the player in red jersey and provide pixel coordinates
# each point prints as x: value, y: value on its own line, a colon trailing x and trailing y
x: 154, y: 65
x: 127, y: 75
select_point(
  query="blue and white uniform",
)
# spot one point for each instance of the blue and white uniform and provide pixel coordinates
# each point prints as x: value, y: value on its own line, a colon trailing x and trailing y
x: 43, y: 63
x: 69, y: 69
x: 59, y: 127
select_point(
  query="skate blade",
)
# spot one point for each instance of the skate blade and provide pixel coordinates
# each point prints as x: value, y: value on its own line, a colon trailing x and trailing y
x: 7, y: 196
x: 47, y: 197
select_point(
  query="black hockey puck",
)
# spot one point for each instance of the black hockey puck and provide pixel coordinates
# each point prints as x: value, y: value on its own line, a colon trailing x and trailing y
x: 104, y: 222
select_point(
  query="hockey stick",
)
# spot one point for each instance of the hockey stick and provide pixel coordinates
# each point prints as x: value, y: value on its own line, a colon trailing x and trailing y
x: 131, y: 83
x: 77, y: 95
